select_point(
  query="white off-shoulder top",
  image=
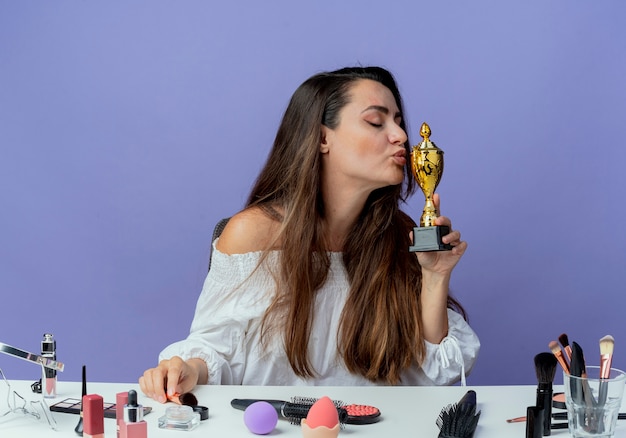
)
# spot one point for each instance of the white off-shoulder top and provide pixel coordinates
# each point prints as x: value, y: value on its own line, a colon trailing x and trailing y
x: 225, y: 332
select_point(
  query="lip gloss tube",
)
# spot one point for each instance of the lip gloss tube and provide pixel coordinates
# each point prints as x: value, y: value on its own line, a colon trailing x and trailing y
x: 49, y: 377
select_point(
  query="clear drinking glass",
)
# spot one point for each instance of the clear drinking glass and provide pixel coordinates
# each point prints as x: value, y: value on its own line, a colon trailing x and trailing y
x: 593, y: 403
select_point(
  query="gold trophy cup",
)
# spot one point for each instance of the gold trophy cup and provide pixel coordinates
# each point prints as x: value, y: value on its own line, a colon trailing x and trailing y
x: 427, y: 165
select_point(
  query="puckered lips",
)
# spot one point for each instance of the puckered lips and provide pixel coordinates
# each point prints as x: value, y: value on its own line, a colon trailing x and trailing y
x: 400, y: 157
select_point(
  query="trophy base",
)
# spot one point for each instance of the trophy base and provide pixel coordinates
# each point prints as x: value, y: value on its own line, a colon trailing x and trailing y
x: 429, y: 239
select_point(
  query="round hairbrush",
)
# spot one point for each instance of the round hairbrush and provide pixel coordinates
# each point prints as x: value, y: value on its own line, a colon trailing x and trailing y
x: 357, y: 414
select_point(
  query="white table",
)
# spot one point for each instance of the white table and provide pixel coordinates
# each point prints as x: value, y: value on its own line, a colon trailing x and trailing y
x: 406, y: 411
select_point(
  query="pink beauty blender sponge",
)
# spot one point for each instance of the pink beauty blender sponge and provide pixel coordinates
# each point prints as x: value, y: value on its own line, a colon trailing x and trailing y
x: 322, y: 421
x: 260, y: 418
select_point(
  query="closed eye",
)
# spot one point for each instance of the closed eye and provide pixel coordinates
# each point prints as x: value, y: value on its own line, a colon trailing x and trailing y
x: 376, y: 125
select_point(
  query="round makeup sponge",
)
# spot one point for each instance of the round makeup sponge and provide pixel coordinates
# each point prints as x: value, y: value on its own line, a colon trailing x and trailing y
x: 260, y: 418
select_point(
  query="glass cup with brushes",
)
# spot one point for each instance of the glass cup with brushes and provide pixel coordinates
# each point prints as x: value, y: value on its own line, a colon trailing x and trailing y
x: 593, y: 394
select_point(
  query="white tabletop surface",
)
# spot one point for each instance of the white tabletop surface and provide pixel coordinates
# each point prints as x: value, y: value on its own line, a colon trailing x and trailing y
x: 406, y: 411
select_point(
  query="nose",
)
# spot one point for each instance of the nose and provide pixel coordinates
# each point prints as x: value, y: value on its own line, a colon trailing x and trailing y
x: 397, y: 135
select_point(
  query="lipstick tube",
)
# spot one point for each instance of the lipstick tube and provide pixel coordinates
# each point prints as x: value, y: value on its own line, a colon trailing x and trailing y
x: 534, y: 422
x: 93, y: 416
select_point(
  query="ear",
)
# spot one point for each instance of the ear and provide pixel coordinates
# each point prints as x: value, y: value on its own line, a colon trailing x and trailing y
x: 324, y: 145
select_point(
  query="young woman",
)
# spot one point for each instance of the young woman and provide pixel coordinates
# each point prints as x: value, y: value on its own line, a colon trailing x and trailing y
x: 313, y: 283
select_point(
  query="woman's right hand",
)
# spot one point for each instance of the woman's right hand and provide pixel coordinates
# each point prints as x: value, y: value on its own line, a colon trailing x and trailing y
x: 172, y: 375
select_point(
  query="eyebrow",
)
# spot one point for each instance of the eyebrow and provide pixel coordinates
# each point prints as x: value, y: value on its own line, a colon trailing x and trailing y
x: 382, y: 109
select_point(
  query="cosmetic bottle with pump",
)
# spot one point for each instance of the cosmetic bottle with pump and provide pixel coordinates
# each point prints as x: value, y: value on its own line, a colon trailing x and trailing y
x: 133, y: 426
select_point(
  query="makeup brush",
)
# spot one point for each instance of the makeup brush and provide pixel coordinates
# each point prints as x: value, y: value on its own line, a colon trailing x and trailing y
x: 556, y: 350
x: 459, y: 420
x: 581, y: 391
x: 576, y: 385
x: 606, y: 357
x: 79, y: 427
x: 545, y: 368
x: 579, y: 369
x: 566, y: 347
x: 186, y: 398
x: 557, y: 416
x: 563, y: 416
x: 607, y: 343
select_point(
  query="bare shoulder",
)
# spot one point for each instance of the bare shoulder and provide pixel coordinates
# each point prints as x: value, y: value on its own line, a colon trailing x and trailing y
x: 248, y: 231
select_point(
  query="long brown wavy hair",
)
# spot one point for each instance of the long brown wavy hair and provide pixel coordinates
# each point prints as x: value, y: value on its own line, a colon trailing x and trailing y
x: 380, y: 332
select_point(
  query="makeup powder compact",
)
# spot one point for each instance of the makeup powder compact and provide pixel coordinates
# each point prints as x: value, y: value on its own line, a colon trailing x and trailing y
x: 179, y: 417
x: 558, y: 400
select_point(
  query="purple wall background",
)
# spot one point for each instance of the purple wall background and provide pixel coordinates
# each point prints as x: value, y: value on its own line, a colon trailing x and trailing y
x: 127, y: 129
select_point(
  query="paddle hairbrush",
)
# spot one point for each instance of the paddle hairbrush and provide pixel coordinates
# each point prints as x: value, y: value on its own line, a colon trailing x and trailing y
x: 459, y: 420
